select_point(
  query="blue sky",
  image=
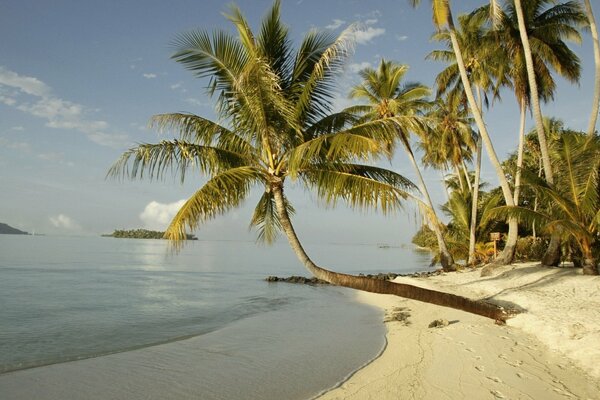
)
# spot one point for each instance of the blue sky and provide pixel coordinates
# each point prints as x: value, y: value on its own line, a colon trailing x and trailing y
x: 80, y: 79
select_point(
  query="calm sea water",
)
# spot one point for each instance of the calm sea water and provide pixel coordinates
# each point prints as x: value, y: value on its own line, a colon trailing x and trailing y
x: 70, y: 298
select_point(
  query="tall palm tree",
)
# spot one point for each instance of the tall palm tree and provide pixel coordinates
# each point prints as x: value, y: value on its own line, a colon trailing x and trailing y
x: 388, y: 97
x: 534, y: 37
x: 442, y: 18
x: 486, y: 69
x: 596, y: 102
x: 542, y: 30
x: 276, y: 125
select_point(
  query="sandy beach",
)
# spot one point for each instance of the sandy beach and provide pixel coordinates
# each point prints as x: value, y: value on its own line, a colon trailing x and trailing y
x: 550, y: 351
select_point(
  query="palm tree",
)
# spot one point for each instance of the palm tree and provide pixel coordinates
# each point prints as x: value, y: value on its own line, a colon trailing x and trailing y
x: 486, y: 69
x: 451, y: 139
x: 276, y: 125
x: 442, y: 17
x: 546, y: 28
x: 596, y: 102
x: 574, y: 200
x: 533, y: 37
x: 388, y: 97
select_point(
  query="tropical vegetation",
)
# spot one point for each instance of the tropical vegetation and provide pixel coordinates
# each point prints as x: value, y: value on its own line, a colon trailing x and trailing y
x: 276, y: 124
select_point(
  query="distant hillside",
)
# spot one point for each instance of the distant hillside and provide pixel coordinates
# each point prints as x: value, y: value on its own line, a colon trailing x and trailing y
x: 9, y: 230
x: 141, y: 234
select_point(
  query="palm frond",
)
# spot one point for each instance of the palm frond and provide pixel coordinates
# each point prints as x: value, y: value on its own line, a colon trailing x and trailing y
x: 198, y: 130
x: 221, y: 193
x: 360, y: 186
x: 154, y: 161
x: 266, y: 218
x: 362, y: 141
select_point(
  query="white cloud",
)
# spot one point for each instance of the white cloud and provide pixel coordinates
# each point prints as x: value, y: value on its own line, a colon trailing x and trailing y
x: 356, y: 67
x: 371, y: 21
x: 157, y: 216
x: 149, y: 76
x: 176, y: 86
x: 26, y: 84
x: 401, y: 38
x: 17, y: 128
x: 336, y: 23
x: 58, y: 113
x: 63, y: 221
x: 365, y: 35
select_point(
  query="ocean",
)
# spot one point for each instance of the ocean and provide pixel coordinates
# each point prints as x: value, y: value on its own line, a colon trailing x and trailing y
x: 95, y: 317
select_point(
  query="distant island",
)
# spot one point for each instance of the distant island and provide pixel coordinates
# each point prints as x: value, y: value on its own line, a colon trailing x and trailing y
x: 9, y: 230
x: 142, y: 234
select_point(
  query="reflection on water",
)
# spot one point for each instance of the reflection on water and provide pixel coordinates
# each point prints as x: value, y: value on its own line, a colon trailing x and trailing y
x: 65, y: 298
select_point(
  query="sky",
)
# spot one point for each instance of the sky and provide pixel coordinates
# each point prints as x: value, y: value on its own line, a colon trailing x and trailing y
x: 80, y: 79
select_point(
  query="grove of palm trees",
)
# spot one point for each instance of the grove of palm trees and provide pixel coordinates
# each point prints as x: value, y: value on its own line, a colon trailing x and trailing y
x: 277, y: 124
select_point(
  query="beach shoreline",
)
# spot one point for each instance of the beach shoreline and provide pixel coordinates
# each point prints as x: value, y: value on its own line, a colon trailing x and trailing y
x: 546, y: 352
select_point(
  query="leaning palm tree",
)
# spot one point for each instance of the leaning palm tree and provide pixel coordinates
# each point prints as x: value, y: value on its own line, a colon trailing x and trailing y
x: 574, y: 200
x: 442, y: 18
x: 275, y: 126
x: 388, y: 97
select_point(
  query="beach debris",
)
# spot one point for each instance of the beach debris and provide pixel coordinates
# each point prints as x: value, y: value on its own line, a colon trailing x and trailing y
x: 439, y: 323
x: 400, y: 314
x: 497, y: 394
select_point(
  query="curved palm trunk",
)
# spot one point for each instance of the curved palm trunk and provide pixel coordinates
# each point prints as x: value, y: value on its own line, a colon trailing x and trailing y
x: 596, y: 101
x: 509, y: 249
x: 535, y: 100
x: 474, y: 203
x: 377, y: 286
x: 445, y: 257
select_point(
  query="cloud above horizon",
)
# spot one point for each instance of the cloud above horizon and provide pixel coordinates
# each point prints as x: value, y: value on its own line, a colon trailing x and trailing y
x: 157, y: 216
x: 58, y: 113
x: 62, y: 221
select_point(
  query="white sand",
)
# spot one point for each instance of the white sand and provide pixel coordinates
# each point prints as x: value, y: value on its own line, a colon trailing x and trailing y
x: 552, y: 351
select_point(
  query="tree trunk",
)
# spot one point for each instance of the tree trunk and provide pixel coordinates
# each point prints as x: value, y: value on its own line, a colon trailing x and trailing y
x: 467, y: 175
x: 552, y: 255
x: 508, y: 197
x: 445, y: 257
x: 590, y: 266
x: 535, y: 100
x: 508, y: 254
x: 378, y: 286
x: 461, y: 179
x: 520, y: 153
x: 474, y: 201
x: 596, y: 101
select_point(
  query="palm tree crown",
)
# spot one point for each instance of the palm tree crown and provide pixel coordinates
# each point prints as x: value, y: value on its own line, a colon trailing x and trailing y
x: 274, y: 109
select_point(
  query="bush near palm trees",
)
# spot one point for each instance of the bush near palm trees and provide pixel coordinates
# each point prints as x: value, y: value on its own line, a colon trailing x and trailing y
x: 573, y: 202
x: 274, y: 105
